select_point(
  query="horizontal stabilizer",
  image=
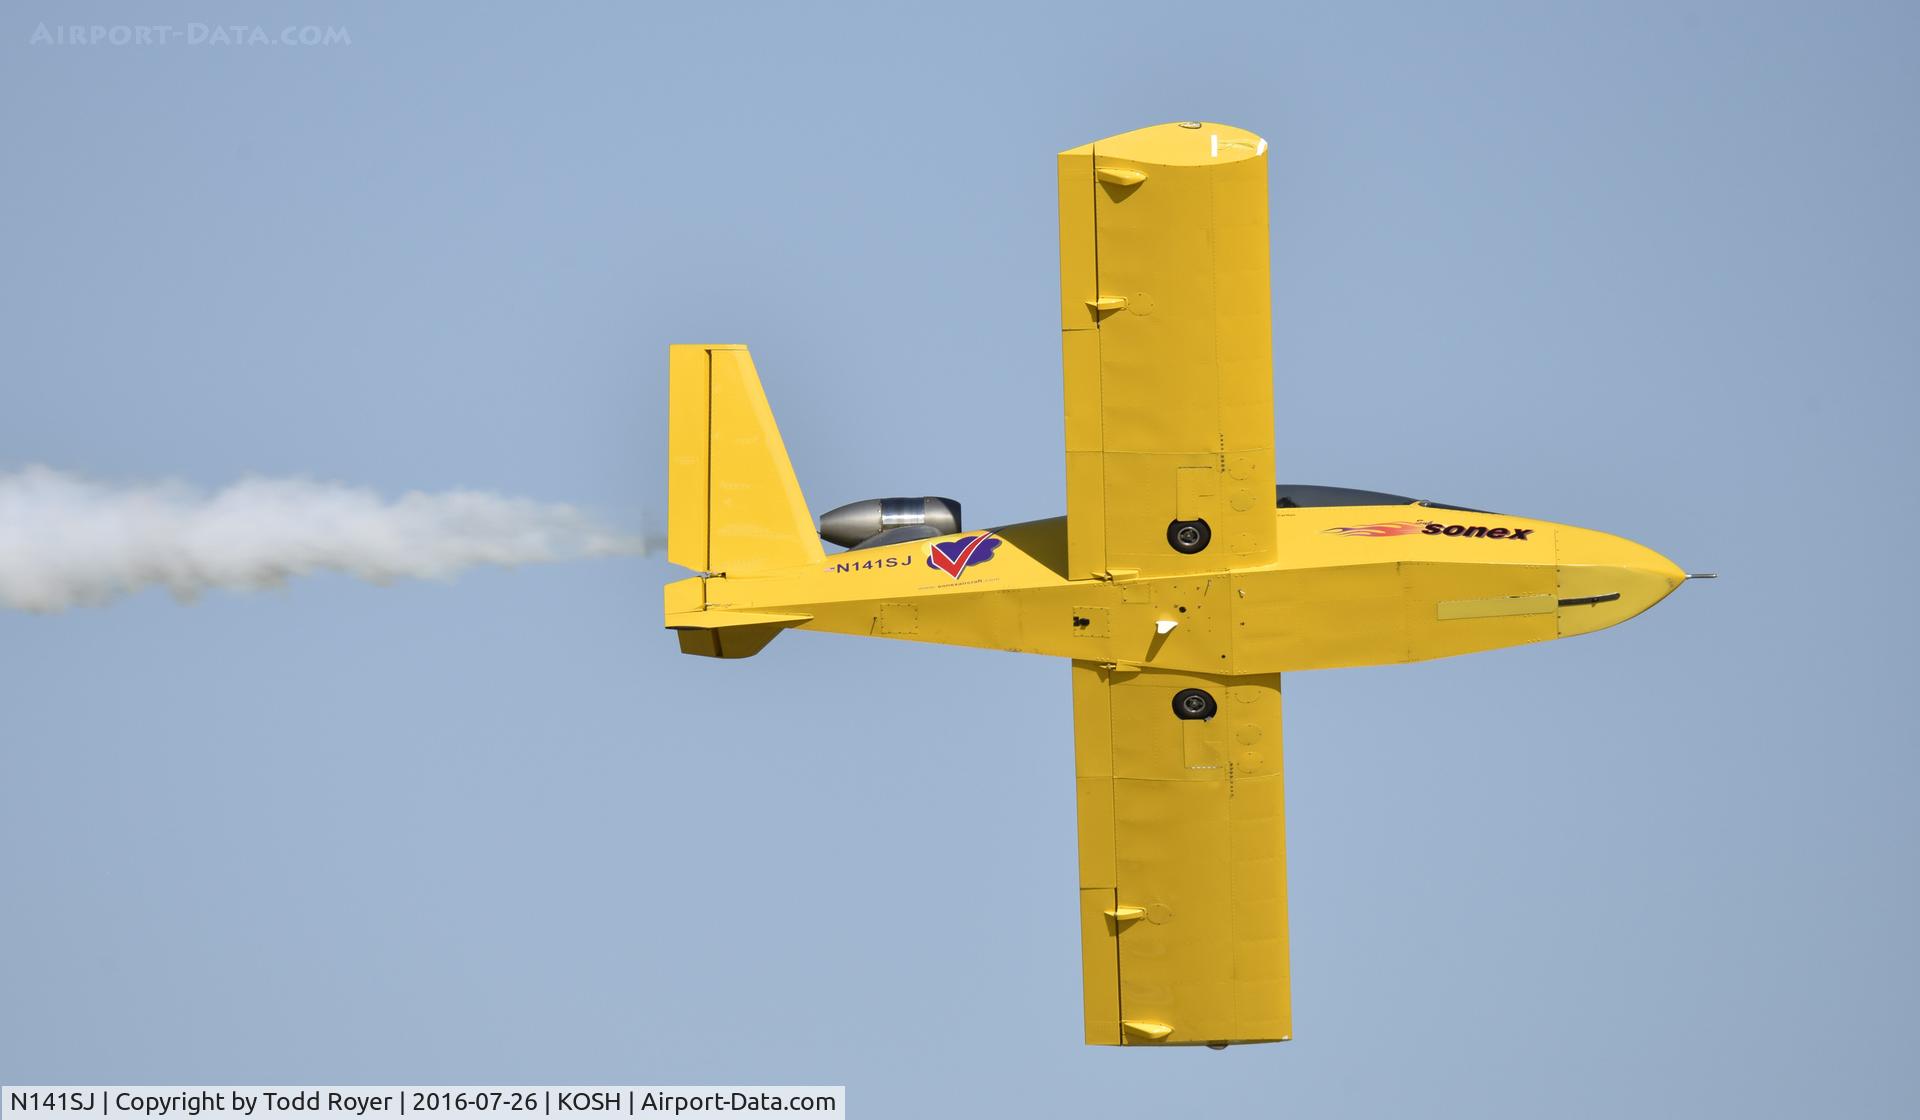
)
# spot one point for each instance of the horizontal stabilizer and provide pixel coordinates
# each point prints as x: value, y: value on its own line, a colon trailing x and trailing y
x: 729, y: 633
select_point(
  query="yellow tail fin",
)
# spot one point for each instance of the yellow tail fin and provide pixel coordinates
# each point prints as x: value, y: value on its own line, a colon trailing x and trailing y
x: 733, y: 504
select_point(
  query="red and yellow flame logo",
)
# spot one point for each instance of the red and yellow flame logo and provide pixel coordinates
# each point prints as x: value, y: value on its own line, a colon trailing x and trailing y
x: 1380, y: 529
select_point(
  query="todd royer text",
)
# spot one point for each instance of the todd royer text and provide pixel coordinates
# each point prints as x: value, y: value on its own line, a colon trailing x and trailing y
x: 249, y: 1104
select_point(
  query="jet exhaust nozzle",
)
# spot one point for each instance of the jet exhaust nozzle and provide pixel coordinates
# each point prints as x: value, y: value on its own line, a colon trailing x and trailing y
x: 858, y: 523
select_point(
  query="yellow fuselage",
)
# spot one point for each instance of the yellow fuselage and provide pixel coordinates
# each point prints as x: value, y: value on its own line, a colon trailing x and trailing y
x: 1355, y: 585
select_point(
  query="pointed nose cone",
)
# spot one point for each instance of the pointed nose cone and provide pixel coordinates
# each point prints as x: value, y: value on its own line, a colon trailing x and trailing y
x: 1606, y: 579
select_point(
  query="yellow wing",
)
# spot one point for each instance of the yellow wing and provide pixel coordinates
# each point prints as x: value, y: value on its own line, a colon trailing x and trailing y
x: 1183, y: 892
x: 1167, y: 341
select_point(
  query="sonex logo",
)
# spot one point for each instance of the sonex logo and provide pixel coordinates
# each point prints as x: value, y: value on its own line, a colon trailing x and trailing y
x: 955, y: 557
x: 1492, y: 533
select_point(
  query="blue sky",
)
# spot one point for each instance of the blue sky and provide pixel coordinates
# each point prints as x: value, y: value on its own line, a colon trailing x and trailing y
x: 1646, y: 268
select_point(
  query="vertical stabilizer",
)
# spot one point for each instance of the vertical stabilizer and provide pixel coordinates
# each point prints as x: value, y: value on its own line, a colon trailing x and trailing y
x: 733, y: 504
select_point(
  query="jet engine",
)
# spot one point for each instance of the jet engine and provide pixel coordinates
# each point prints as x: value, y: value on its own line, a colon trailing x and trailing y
x: 879, y: 521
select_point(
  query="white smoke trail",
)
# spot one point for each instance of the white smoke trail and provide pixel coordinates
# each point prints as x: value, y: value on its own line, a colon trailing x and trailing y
x: 70, y: 541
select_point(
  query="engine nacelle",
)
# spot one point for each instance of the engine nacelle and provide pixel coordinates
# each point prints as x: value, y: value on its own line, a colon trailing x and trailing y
x: 857, y: 524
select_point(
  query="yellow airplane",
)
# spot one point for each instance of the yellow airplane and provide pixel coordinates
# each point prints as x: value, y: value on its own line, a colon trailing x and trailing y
x: 1177, y: 586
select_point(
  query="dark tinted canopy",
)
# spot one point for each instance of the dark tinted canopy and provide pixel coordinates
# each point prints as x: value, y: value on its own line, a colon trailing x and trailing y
x: 1294, y: 496
x: 1290, y: 496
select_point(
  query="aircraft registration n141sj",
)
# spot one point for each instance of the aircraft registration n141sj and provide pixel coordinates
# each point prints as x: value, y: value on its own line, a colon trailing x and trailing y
x: 1178, y: 583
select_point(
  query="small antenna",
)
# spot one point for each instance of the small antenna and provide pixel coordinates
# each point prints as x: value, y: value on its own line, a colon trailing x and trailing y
x: 1703, y: 575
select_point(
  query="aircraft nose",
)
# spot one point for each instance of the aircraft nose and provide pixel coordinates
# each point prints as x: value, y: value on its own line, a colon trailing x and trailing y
x: 1604, y: 579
